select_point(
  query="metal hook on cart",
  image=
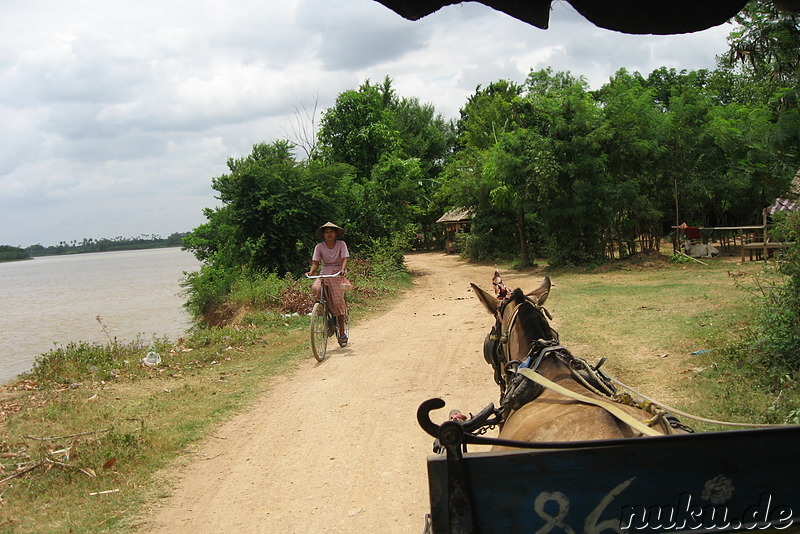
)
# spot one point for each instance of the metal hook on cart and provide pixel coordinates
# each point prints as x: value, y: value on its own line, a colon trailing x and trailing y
x: 424, y: 417
x: 489, y: 416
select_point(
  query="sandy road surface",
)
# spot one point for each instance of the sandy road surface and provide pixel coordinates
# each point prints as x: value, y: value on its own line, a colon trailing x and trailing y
x: 352, y: 459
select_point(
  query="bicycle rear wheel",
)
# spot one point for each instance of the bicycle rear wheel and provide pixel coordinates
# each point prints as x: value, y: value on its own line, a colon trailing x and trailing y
x: 319, y: 331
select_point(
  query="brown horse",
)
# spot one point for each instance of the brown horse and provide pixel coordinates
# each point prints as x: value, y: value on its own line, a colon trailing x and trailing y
x: 522, y: 342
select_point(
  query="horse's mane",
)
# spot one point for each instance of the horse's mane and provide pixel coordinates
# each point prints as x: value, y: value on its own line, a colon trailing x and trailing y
x: 531, y: 317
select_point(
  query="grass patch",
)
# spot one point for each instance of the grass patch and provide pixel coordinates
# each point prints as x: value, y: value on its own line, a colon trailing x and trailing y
x: 697, y: 307
x: 84, y: 432
x: 140, y: 422
x: 649, y: 322
x: 122, y: 421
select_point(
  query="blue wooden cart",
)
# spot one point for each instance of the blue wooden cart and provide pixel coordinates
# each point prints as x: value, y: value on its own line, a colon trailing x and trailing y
x: 745, y: 480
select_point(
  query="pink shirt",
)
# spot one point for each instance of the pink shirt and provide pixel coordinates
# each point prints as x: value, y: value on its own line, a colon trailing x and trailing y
x: 331, y: 258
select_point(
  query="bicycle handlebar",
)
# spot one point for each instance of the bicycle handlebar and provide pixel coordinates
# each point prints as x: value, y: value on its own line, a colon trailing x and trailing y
x: 340, y: 273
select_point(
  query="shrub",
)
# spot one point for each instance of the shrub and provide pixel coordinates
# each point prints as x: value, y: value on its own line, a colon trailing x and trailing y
x: 774, y: 343
x: 484, y: 247
x: 260, y: 289
x: 213, y: 290
x: 207, y: 287
x: 779, y: 311
x: 77, y: 362
x: 386, y: 257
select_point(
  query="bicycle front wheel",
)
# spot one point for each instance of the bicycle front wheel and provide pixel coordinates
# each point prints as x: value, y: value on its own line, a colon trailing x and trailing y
x: 319, y: 331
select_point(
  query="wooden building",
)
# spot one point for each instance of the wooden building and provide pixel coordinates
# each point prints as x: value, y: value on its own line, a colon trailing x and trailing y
x: 455, y: 221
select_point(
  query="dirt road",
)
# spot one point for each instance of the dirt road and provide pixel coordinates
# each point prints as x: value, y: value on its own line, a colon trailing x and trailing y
x: 352, y: 458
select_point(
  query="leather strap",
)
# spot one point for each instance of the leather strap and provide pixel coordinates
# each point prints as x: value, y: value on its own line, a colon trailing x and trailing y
x: 607, y: 406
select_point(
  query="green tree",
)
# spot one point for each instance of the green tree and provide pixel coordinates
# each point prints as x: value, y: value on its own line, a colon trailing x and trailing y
x: 488, y: 114
x: 633, y: 136
x: 398, y: 148
x: 519, y: 166
x: 530, y: 163
x: 467, y: 182
x: 753, y: 174
x: 765, y: 44
x: 271, y: 205
x: 763, y: 49
x: 690, y: 172
x: 358, y: 129
x: 574, y: 204
x: 427, y: 141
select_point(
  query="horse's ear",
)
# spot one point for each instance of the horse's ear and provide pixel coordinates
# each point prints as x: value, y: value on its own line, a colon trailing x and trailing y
x: 541, y: 293
x: 489, y: 301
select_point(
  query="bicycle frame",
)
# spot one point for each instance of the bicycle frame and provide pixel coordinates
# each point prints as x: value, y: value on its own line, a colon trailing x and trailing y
x: 332, y: 323
x: 323, y: 296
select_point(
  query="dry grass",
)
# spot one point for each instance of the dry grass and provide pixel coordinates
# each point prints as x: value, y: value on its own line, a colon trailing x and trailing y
x: 646, y: 317
x: 141, y: 424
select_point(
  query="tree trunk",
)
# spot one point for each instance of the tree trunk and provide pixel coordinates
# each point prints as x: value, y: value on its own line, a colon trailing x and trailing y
x: 523, y: 238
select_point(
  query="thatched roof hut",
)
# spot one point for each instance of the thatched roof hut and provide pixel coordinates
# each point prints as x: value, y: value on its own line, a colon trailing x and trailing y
x: 455, y: 221
x: 458, y: 215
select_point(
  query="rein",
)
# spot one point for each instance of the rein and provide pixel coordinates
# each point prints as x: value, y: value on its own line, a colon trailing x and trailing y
x: 695, y: 417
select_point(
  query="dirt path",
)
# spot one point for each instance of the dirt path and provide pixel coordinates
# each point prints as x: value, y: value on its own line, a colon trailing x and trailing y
x: 352, y: 459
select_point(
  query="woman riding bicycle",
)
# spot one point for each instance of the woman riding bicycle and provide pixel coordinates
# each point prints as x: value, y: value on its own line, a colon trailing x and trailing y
x: 333, y: 254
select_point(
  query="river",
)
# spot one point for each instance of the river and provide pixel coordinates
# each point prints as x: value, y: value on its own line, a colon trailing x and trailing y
x: 49, y: 301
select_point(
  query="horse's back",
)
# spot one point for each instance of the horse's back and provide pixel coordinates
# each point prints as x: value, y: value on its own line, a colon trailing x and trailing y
x: 554, y: 418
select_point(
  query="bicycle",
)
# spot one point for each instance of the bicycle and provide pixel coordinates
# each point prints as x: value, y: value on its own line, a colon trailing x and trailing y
x: 323, y: 323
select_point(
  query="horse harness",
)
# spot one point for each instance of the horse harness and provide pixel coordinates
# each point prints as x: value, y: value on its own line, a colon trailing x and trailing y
x: 526, y: 384
x: 493, y: 345
x: 495, y: 353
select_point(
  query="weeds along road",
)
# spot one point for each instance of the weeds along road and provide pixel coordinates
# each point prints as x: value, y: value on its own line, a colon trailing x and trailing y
x: 336, y: 447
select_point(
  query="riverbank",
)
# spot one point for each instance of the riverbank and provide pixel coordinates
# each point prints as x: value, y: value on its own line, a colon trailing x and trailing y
x: 126, y: 296
x: 114, y: 442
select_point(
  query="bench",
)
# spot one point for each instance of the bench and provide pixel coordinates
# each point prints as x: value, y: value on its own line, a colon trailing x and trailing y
x: 761, y: 249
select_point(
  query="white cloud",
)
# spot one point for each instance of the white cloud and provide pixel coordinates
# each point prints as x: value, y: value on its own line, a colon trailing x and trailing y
x: 115, y: 116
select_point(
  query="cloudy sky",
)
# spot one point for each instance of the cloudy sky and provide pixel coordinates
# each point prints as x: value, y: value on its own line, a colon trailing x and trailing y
x: 115, y: 116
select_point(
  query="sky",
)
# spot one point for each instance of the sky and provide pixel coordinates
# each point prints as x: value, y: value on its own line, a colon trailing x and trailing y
x: 115, y: 116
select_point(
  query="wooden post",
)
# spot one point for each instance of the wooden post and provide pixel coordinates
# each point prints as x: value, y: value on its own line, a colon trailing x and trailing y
x: 764, y: 214
x: 741, y: 242
x: 676, y: 243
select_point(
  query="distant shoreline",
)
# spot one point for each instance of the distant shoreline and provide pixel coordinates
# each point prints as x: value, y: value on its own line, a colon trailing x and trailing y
x: 114, y: 249
x: 92, y: 245
x: 74, y: 252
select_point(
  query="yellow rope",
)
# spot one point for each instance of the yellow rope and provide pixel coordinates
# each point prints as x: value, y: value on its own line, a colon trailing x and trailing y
x: 690, y: 416
x: 607, y: 406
